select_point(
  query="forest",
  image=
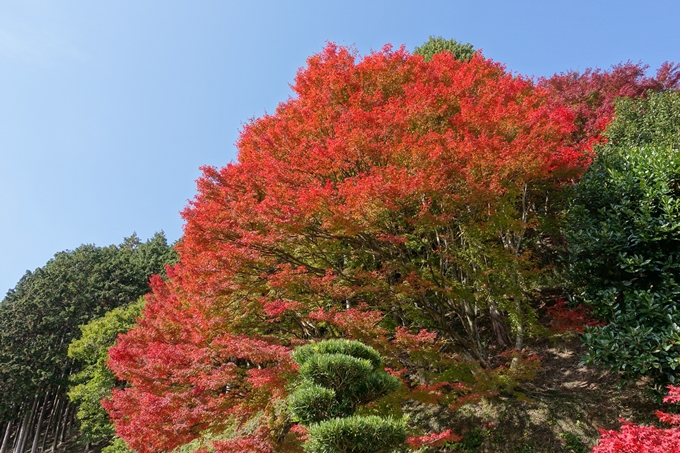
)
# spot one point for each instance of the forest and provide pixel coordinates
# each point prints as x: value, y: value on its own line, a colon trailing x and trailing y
x: 417, y: 252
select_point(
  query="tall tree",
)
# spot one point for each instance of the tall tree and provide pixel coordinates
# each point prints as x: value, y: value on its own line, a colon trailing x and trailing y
x: 416, y: 187
x: 95, y: 380
x: 387, y: 184
x: 593, y: 93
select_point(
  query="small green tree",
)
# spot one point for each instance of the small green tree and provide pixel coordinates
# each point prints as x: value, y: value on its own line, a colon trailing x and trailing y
x: 624, y: 241
x: 95, y: 380
x: 434, y: 45
x: 338, y: 376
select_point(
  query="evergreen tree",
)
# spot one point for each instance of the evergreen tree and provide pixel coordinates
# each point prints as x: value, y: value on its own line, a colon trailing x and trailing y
x: 435, y: 45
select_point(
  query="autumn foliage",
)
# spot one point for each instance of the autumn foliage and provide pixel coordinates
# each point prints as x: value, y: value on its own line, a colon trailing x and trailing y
x: 186, y: 372
x: 633, y: 438
x: 367, y: 189
x: 391, y: 200
x: 592, y: 94
x: 410, y: 186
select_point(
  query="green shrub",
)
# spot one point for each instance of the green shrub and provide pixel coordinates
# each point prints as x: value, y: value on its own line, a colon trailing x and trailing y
x: 624, y: 241
x: 654, y: 120
x: 355, y: 434
x: 338, y: 346
x: 337, y: 377
x: 311, y: 403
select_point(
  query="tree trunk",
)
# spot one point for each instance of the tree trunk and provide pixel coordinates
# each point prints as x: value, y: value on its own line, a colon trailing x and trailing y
x: 55, y: 429
x: 27, y: 426
x: 519, y: 343
x: 64, y: 423
x: 498, y: 325
x: 20, y: 433
x: 38, y: 423
x: 17, y: 430
x: 50, y: 419
x: 470, y: 312
x: 6, y: 437
x: 59, y: 426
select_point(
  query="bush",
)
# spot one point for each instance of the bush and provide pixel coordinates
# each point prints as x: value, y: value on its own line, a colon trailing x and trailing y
x: 356, y: 434
x: 624, y: 242
x: 337, y: 377
x: 633, y: 438
x: 336, y: 346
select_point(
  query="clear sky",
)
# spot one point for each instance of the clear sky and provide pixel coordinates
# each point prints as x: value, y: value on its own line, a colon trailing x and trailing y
x: 108, y: 108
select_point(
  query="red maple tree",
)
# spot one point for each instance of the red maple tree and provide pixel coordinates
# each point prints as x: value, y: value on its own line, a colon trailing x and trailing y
x: 415, y: 187
x: 592, y: 94
x: 386, y: 185
x: 186, y: 371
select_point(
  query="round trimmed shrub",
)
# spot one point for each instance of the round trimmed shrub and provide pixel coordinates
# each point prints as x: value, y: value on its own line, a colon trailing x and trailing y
x: 337, y: 377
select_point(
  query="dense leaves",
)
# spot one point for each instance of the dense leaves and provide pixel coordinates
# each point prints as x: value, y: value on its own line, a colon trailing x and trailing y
x: 189, y: 373
x: 390, y: 190
x: 592, y: 94
x: 356, y: 434
x: 414, y: 187
x: 393, y: 194
x: 95, y: 380
x: 623, y: 238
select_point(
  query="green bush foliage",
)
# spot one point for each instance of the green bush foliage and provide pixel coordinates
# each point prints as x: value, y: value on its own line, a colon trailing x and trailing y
x: 356, y: 434
x: 337, y: 377
x: 653, y: 120
x: 624, y: 241
x: 336, y: 346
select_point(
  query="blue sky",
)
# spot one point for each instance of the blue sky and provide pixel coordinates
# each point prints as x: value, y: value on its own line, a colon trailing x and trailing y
x: 108, y: 108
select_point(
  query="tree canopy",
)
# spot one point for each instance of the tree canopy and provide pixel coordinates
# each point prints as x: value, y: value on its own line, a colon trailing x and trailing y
x: 434, y: 45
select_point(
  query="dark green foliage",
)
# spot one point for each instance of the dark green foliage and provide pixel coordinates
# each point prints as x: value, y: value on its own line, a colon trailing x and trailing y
x: 434, y: 45
x: 41, y: 315
x: 356, y: 434
x: 95, y: 381
x: 337, y: 377
x: 573, y: 443
x: 472, y: 441
x: 624, y: 239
